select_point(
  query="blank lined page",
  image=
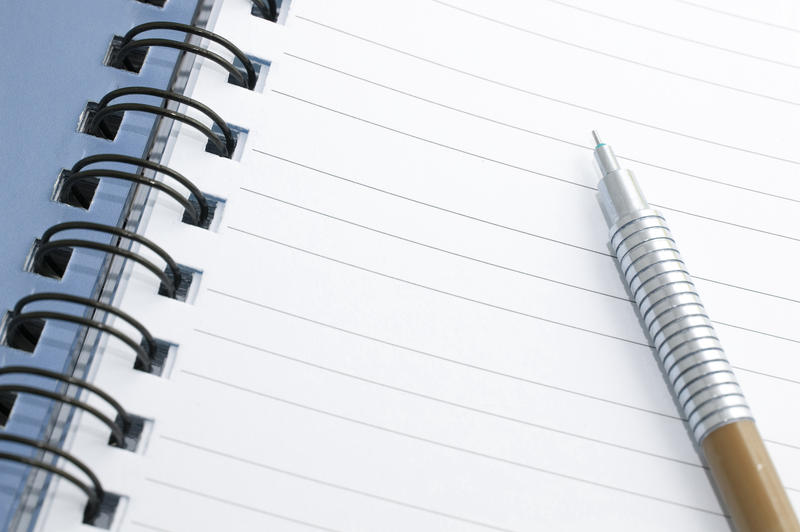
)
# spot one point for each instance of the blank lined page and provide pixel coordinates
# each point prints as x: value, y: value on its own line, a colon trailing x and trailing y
x: 407, y: 317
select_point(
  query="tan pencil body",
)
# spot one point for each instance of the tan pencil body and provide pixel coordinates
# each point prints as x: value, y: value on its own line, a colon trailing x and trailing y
x: 747, y: 480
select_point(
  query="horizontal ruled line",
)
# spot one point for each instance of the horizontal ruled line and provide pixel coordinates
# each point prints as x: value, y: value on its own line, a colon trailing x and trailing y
x: 521, y: 168
x: 443, y: 292
x: 674, y: 35
x: 550, y: 98
x: 726, y: 222
x: 262, y: 465
x: 444, y: 445
x: 439, y: 207
x: 762, y: 333
x: 434, y: 248
x: 492, y: 305
x: 491, y: 223
x: 435, y: 143
x: 616, y: 57
x: 521, y: 129
x: 238, y: 504
x: 149, y: 527
x: 441, y: 358
x: 455, y: 362
x: 784, y: 444
x: 454, y: 404
x: 740, y: 17
x: 751, y: 290
x: 506, y: 268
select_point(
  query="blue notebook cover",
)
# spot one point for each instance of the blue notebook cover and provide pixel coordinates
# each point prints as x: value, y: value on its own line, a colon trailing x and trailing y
x: 52, y: 64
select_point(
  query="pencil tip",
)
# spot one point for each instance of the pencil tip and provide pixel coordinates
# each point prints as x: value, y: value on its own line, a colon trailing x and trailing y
x: 596, y: 138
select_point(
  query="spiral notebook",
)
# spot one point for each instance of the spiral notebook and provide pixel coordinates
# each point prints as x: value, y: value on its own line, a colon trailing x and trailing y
x: 361, y: 281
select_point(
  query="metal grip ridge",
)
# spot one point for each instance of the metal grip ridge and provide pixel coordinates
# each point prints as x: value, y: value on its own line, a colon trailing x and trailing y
x: 677, y: 325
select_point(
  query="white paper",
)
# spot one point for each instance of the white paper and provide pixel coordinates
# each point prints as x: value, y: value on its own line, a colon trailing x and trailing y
x: 408, y: 318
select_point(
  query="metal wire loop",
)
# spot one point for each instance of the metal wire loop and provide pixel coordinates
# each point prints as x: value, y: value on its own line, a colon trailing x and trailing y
x: 104, y: 110
x: 117, y: 432
x: 46, y: 246
x: 95, y: 493
x: 18, y: 318
x: 78, y: 174
x: 128, y: 44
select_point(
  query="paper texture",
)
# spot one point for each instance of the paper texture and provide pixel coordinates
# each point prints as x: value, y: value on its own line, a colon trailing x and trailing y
x: 408, y: 319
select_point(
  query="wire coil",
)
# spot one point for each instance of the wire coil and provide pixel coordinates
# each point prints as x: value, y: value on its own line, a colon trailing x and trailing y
x: 129, y: 44
x: 17, y: 318
x: 95, y: 492
x: 78, y: 174
x: 104, y: 110
x: 117, y: 429
x: 46, y: 246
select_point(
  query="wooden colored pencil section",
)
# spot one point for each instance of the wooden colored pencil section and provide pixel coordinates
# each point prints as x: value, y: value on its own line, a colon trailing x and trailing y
x: 747, y: 480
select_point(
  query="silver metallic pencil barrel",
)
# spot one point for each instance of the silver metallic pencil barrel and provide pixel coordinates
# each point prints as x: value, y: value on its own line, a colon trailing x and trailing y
x: 676, y: 322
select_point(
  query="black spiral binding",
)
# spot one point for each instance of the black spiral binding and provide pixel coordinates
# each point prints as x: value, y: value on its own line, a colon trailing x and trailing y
x: 267, y: 8
x: 128, y: 45
x: 18, y: 318
x: 46, y: 246
x: 76, y: 175
x: 22, y: 322
x: 95, y: 493
x: 98, y: 124
x: 118, y: 427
